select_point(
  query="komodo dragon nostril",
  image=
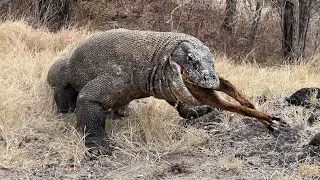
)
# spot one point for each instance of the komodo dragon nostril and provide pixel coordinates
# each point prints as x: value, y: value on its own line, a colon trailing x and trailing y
x: 206, y: 77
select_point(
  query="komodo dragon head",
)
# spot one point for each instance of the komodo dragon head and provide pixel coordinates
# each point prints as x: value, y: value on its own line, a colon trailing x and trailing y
x: 195, y: 61
x: 198, y: 62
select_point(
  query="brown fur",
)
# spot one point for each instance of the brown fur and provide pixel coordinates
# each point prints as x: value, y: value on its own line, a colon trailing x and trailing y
x: 210, y: 97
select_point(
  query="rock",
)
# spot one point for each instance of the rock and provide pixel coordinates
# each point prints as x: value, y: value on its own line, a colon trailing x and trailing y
x: 179, y: 168
x: 314, y: 117
x: 305, y: 97
x: 315, y: 141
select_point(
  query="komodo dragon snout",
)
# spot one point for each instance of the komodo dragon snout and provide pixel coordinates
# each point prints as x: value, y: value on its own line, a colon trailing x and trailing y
x: 198, y: 62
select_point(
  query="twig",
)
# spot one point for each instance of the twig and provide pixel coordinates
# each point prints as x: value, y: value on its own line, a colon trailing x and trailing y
x: 3, y: 2
x: 104, y: 3
x: 171, y: 15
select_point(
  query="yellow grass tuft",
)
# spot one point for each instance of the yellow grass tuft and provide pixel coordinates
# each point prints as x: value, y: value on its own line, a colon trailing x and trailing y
x: 19, y: 35
x: 272, y: 81
x: 155, y: 129
x: 231, y: 164
x: 25, y: 98
x: 286, y: 178
x: 309, y: 170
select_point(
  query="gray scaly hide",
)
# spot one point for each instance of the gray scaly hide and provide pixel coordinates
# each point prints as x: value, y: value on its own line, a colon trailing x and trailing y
x: 112, y: 68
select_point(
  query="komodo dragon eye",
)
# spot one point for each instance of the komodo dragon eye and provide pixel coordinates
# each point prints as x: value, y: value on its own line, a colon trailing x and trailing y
x: 190, y: 57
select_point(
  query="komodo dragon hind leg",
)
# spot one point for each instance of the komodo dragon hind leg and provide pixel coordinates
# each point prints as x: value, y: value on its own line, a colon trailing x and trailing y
x: 210, y: 97
x: 73, y: 101
x: 65, y: 98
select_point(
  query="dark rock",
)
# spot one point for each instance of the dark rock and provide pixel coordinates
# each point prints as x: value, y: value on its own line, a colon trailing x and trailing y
x: 315, y: 141
x: 179, y: 168
x: 314, y: 116
x: 303, y: 97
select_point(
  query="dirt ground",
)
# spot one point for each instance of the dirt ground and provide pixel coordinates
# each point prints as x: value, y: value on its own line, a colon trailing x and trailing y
x: 240, y: 148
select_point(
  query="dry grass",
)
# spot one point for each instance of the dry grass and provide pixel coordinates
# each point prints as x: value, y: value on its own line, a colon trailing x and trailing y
x: 27, y: 117
x: 32, y: 135
x: 286, y: 178
x: 309, y: 170
x: 231, y: 164
x: 271, y: 81
x: 155, y: 129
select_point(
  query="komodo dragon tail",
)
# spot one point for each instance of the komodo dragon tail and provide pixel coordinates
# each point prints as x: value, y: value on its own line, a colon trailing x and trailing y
x: 58, y: 74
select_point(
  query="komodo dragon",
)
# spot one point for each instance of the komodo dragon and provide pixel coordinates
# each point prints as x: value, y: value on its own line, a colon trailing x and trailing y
x: 112, y: 68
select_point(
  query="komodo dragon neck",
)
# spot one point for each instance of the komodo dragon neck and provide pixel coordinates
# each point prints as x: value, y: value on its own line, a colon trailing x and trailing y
x: 159, y: 83
x: 163, y: 81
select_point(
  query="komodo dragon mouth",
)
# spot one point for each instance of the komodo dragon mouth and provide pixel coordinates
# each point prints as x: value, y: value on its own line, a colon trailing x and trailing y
x: 179, y: 89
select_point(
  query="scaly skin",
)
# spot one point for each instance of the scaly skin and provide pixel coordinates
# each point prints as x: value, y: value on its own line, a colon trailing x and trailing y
x: 112, y: 68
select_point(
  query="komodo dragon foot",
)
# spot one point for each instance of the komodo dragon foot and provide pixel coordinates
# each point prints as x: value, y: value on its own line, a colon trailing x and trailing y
x: 190, y: 112
x: 98, y: 146
x: 124, y: 111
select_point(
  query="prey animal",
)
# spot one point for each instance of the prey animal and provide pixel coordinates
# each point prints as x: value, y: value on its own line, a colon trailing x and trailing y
x: 112, y: 68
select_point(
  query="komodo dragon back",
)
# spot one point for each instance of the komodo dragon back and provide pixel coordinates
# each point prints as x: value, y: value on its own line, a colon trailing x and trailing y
x: 121, y: 49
